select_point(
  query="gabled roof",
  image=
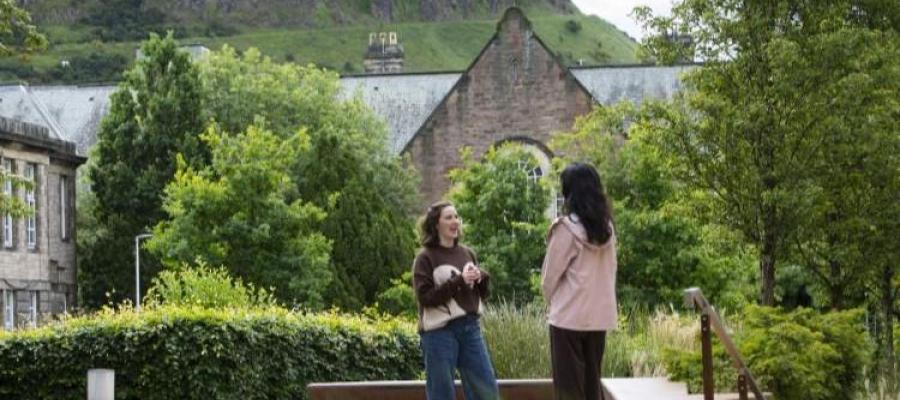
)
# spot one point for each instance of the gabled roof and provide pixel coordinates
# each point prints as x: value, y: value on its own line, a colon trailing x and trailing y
x: 72, y: 113
x: 403, y: 101
x: 611, y: 84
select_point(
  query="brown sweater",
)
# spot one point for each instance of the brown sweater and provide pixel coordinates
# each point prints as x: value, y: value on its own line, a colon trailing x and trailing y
x: 440, y: 289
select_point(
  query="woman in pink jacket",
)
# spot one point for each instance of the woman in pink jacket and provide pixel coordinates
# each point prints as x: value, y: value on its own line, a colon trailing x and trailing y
x: 578, y: 280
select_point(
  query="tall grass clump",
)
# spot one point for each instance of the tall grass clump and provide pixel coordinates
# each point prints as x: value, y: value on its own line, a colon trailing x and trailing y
x: 518, y: 340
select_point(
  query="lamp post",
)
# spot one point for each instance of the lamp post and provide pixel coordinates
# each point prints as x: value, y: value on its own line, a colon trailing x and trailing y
x: 137, y: 268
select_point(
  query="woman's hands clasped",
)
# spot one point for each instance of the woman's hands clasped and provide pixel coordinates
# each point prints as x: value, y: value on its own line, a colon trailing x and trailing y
x: 471, y: 274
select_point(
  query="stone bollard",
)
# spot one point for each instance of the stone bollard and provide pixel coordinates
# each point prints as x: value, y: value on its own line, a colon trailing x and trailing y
x: 101, y: 384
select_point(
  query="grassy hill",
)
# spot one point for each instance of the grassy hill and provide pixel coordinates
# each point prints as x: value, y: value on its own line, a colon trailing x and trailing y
x: 449, y: 44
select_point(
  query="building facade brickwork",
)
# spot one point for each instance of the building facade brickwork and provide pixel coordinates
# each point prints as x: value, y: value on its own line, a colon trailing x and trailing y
x: 515, y: 90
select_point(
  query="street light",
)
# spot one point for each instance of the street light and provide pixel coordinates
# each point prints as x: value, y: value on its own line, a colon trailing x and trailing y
x: 137, y: 268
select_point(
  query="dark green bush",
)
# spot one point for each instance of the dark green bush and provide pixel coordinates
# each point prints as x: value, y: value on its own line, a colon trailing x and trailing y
x: 195, y: 353
x: 800, y: 355
x: 687, y: 366
x: 806, y: 355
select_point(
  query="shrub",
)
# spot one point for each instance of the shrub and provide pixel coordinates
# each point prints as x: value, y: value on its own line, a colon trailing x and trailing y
x: 194, y: 353
x: 806, y: 355
x: 799, y: 355
x: 573, y: 26
x: 518, y: 340
x: 399, y: 299
x: 207, y: 287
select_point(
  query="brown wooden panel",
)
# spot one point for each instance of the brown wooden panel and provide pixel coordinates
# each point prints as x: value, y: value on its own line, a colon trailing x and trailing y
x: 526, y: 389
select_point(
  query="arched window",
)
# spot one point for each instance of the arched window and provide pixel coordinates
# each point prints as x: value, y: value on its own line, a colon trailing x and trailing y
x: 536, y: 172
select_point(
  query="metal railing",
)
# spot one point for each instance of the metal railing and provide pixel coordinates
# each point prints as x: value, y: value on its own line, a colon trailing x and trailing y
x: 710, y: 320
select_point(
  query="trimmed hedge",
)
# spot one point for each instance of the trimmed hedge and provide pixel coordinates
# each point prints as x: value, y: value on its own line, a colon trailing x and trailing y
x: 195, y: 353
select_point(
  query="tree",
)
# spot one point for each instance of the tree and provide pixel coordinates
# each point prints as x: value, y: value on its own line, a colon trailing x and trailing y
x: 17, y: 35
x: 749, y: 127
x: 662, y: 247
x: 504, y: 214
x: 154, y: 115
x: 234, y: 213
x: 367, y: 193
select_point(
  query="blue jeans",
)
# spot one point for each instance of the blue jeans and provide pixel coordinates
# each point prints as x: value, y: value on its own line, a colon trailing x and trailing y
x: 459, y: 345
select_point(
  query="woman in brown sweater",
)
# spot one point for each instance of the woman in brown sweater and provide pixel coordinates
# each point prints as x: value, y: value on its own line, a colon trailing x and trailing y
x: 450, y: 288
x: 578, y: 280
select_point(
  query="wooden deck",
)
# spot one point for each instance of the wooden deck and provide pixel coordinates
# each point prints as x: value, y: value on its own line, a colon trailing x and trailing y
x: 510, y: 389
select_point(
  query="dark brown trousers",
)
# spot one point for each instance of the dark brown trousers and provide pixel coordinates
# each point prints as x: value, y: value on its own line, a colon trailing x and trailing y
x: 576, y: 357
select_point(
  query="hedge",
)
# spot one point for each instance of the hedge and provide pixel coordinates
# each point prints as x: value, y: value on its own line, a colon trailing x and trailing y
x: 195, y: 353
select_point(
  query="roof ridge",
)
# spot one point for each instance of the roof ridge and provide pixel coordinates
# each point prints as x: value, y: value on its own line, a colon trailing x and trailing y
x: 42, y: 109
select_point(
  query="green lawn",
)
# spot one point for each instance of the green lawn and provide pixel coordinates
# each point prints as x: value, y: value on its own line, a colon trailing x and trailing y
x: 436, y: 46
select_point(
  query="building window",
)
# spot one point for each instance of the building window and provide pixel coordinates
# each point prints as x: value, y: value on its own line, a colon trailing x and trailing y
x: 34, y: 310
x: 8, y: 192
x: 30, y: 201
x: 63, y: 207
x: 9, y: 310
x: 533, y: 172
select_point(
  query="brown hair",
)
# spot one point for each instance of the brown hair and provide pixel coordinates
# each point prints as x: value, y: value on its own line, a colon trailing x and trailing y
x: 428, y: 232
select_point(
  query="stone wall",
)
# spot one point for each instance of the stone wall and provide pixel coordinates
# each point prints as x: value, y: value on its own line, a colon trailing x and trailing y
x: 45, y: 273
x: 515, y: 90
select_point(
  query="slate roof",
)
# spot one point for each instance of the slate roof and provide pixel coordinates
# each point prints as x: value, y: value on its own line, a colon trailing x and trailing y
x: 403, y: 101
x: 72, y: 113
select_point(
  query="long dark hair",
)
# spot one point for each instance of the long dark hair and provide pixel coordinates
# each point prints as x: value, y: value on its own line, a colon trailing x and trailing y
x: 428, y: 231
x: 583, y: 194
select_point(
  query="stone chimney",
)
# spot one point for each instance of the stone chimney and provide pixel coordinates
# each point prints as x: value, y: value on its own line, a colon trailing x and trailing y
x: 384, y: 54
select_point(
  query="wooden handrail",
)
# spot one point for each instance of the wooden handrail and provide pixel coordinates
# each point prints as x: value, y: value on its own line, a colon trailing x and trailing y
x: 693, y: 297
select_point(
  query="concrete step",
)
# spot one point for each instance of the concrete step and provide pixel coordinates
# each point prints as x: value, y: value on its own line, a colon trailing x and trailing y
x: 644, y: 389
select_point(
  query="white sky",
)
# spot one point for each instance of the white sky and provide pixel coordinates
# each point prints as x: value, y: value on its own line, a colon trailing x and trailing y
x: 617, y: 12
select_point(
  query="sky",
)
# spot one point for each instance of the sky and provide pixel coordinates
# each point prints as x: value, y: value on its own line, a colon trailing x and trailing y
x: 617, y: 12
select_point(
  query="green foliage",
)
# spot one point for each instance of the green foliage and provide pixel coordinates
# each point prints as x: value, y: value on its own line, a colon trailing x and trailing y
x: 634, y: 350
x: 504, y: 214
x: 687, y: 366
x: 17, y: 34
x: 781, y: 82
x: 573, y: 26
x: 235, y: 213
x: 426, y: 46
x: 119, y: 20
x: 195, y: 353
x: 154, y: 115
x: 17, y: 37
x: 399, y: 298
x: 795, y: 355
x: 96, y: 66
x: 205, y: 287
x: 345, y: 168
x: 14, y: 205
x: 510, y: 329
x: 805, y: 355
x: 663, y: 249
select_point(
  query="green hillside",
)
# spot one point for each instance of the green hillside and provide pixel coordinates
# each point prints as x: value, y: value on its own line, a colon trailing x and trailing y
x: 429, y: 46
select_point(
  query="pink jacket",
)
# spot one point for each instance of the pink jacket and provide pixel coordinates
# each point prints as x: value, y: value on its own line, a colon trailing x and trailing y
x: 578, y: 279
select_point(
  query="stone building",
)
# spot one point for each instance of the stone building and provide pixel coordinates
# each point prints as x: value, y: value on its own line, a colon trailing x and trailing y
x: 514, y: 90
x: 37, y: 252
